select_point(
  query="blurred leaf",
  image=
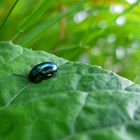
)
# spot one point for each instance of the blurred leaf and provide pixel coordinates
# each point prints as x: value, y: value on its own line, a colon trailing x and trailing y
x: 10, y: 11
x: 83, y: 102
x: 38, y: 12
x: 35, y: 33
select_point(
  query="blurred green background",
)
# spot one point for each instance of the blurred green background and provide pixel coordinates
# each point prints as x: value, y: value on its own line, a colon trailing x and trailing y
x: 99, y: 32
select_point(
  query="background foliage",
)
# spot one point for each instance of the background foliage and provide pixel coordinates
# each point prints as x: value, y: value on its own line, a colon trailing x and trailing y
x: 103, y: 32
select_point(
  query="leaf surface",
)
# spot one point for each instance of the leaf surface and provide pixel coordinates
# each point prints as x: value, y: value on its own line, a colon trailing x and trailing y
x: 82, y: 102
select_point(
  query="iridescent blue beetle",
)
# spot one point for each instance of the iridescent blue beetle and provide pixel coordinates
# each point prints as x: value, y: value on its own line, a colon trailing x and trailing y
x: 42, y: 71
x: 38, y: 73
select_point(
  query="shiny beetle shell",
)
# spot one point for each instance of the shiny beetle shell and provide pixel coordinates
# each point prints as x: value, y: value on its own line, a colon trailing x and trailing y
x: 42, y: 71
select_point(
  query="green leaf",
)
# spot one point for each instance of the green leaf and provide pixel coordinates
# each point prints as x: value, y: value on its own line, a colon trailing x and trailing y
x: 83, y: 102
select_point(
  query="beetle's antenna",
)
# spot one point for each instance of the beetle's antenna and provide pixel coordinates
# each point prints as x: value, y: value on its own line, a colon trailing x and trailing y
x: 14, y: 97
x: 20, y: 75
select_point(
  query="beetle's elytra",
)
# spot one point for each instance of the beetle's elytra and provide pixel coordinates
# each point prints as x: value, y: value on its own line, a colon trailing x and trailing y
x: 42, y: 71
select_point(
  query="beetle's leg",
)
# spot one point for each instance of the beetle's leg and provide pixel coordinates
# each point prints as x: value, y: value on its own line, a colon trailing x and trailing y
x: 56, y: 75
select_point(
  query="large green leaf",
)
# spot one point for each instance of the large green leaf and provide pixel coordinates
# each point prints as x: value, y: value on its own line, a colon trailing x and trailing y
x: 83, y: 102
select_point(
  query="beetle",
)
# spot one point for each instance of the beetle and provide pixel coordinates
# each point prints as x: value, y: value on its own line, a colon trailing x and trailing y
x: 42, y: 71
x: 38, y: 73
